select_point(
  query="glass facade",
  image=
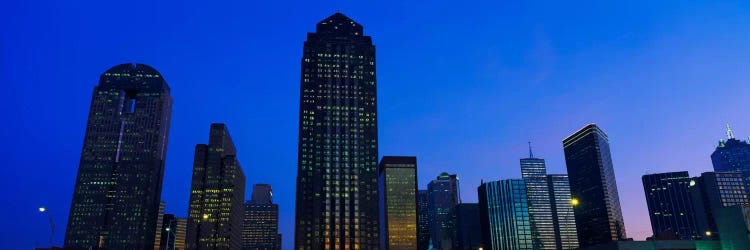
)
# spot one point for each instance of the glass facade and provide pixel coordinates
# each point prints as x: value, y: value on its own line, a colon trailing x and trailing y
x: 337, y: 178
x: 566, y: 235
x: 534, y: 173
x: 670, y: 205
x: 217, y: 194
x: 443, y: 198
x: 733, y: 155
x: 260, y: 228
x: 714, y: 190
x: 593, y: 186
x: 398, y: 201
x: 504, y: 214
x: 118, y: 188
x: 423, y: 221
x: 468, y: 228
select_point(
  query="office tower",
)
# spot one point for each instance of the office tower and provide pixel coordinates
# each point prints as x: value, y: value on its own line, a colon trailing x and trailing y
x: 217, y: 193
x: 168, y: 232
x: 593, y: 186
x: 504, y: 215
x: 118, y: 188
x: 566, y: 235
x: 180, y: 234
x: 261, y: 224
x: 423, y: 221
x: 468, y: 228
x: 733, y: 155
x: 534, y: 173
x: 337, y: 178
x: 714, y: 190
x: 398, y: 202
x: 159, y: 220
x: 443, y: 198
x: 670, y: 205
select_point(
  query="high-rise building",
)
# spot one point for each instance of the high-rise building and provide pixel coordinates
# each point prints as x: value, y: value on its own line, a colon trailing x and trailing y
x: 534, y: 173
x: 714, y: 190
x: 670, y: 205
x: 337, y: 175
x: 180, y: 234
x: 398, y: 201
x: 443, y: 198
x: 168, y: 232
x: 593, y: 187
x: 159, y: 224
x: 423, y: 221
x: 733, y: 155
x: 217, y: 193
x: 468, y: 228
x: 504, y: 215
x: 118, y: 188
x: 566, y: 235
x: 261, y: 224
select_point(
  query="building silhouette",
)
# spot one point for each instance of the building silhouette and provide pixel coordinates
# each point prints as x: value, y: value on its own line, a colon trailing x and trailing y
x: 217, y: 193
x: 398, y: 202
x: 423, y: 221
x: 443, y: 198
x: 733, y: 155
x: 118, y: 188
x: 593, y: 187
x: 504, y: 215
x: 468, y: 228
x: 566, y: 235
x: 260, y: 229
x: 670, y: 205
x: 337, y: 178
x: 712, y: 191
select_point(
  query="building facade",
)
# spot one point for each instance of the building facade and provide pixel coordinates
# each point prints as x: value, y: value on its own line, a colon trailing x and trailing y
x: 260, y: 230
x: 337, y: 178
x: 118, y: 188
x: 443, y: 198
x: 504, y: 215
x: 217, y: 194
x: 712, y: 191
x: 159, y: 219
x: 180, y: 234
x: 468, y: 228
x: 566, y: 235
x: 592, y: 185
x: 670, y: 206
x: 423, y: 220
x: 398, y: 201
x: 534, y: 174
x: 733, y: 155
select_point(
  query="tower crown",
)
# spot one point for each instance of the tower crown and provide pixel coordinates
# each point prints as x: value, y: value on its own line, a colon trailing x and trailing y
x: 338, y: 23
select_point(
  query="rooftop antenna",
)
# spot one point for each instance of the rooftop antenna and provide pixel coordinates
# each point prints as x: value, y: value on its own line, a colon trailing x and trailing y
x: 730, y: 135
x: 531, y: 154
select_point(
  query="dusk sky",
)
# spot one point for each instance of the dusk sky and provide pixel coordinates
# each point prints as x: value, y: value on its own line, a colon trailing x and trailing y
x: 462, y: 85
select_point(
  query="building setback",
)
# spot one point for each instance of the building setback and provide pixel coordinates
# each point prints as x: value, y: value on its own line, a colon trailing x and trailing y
x: 468, y: 228
x: 593, y: 187
x: 443, y: 198
x: 398, y: 201
x: 423, y: 221
x: 260, y: 229
x: 670, y: 205
x: 118, y: 188
x: 733, y: 155
x: 217, y: 193
x: 712, y: 191
x: 337, y: 178
x: 504, y: 215
x: 566, y: 235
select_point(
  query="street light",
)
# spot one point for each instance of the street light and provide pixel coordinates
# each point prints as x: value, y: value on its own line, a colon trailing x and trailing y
x: 43, y: 210
x: 574, y: 202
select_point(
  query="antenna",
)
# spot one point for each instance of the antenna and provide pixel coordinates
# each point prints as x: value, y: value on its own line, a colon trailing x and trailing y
x: 730, y: 135
x: 531, y: 154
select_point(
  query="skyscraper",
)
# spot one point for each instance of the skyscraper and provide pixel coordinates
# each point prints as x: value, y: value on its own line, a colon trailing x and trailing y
x: 468, y: 228
x: 534, y: 173
x: 670, y: 205
x: 712, y: 191
x: 443, y: 198
x: 566, y: 235
x: 593, y: 187
x: 180, y: 234
x: 423, y: 221
x: 118, y: 188
x: 261, y: 223
x: 398, y: 201
x: 337, y: 178
x: 159, y: 224
x: 504, y: 215
x: 733, y: 155
x: 216, y: 195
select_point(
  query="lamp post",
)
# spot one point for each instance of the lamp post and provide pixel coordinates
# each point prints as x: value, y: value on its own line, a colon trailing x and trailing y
x: 51, y: 224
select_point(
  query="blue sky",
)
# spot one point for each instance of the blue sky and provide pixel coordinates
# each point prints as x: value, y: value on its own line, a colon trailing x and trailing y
x: 463, y: 85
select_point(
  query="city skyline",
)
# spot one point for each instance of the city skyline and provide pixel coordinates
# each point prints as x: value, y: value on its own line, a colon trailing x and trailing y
x: 434, y: 162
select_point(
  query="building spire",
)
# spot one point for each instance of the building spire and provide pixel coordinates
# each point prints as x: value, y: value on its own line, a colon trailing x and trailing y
x: 531, y: 154
x: 730, y: 135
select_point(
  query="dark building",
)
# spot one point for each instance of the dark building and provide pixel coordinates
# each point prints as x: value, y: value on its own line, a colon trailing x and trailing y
x: 118, y: 188
x: 468, y: 228
x: 217, y: 193
x: 670, y: 205
x: 593, y: 187
x: 712, y: 191
x: 260, y: 230
x: 534, y: 173
x: 566, y: 235
x: 168, y: 232
x: 504, y: 215
x: 443, y: 198
x: 733, y: 155
x: 337, y: 175
x: 423, y: 221
x: 398, y: 201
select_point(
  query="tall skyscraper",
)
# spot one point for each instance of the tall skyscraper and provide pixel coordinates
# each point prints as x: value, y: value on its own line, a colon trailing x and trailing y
x: 337, y: 176
x: 566, y: 235
x: 423, y: 221
x: 468, y: 228
x: 443, y: 198
x: 261, y: 224
x: 534, y: 173
x: 670, y: 205
x: 712, y: 191
x: 217, y: 193
x: 398, y: 201
x: 593, y: 187
x: 118, y: 189
x: 733, y: 155
x: 504, y: 215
